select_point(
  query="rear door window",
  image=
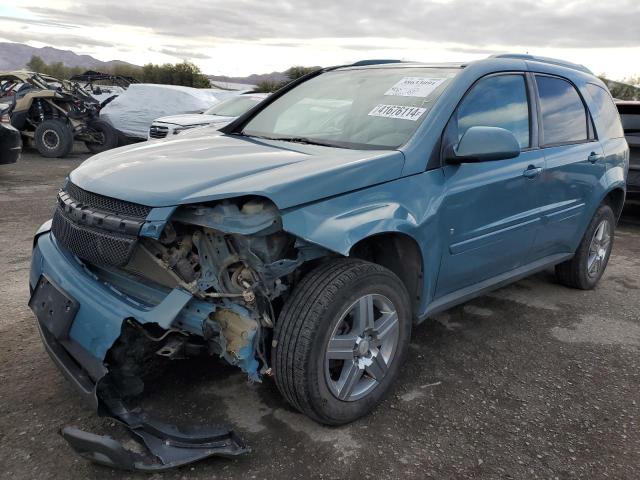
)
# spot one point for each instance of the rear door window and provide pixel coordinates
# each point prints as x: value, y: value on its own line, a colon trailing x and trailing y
x: 564, y: 118
x: 605, y: 110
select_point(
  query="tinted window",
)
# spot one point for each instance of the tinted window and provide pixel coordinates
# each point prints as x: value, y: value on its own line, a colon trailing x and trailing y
x: 564, y: 119
x: 499, y: 101
x: 606, y: 112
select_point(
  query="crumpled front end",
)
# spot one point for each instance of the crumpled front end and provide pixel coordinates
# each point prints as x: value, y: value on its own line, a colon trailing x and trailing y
x: 116, y: 285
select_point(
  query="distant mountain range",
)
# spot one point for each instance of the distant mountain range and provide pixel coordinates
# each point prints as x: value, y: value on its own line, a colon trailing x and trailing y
x: 14, y: 56
x: 253, y: 79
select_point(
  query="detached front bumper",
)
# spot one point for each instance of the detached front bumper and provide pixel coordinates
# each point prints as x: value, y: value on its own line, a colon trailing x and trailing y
x: 79, y: 318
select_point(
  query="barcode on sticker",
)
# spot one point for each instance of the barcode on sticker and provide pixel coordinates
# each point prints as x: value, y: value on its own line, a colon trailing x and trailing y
x: 397, y: 111
x: 415, y: 87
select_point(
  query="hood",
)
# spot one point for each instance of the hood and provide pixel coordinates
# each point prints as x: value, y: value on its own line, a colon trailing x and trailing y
x: 207, y: 167
x: 193, y: 119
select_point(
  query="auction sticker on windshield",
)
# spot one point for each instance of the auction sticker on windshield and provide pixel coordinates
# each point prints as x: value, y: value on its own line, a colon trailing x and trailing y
x: 415, y: 87
x: 403, y: 112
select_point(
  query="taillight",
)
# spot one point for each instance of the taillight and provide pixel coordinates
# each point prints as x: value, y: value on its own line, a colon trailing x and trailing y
x: 5, y: 118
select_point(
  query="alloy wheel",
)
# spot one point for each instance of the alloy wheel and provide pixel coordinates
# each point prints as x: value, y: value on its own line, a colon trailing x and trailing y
x: 361, y: 347
x: 599, y: 248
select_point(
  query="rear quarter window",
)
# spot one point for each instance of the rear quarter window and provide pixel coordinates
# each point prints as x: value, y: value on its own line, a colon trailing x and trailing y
x: 606, y: 113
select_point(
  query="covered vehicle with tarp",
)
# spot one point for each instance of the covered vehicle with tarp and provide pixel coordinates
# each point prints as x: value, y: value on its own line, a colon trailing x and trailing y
x: 134, y: 111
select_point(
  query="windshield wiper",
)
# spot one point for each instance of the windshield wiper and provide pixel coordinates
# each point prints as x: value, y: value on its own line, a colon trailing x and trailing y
x: 303, y: 140
x: 307, y: 141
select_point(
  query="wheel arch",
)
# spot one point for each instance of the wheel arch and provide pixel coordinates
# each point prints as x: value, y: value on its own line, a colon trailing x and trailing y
x: 398, y: 252
x: 615, y: 199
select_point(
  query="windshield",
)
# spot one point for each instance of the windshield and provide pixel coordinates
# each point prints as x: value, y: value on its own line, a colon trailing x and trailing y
x: 355, y: 108
x: 233, y: 107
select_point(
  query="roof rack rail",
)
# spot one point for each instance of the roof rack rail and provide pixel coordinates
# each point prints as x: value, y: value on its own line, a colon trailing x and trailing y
x: 364, y: 63
x: 536, y: 58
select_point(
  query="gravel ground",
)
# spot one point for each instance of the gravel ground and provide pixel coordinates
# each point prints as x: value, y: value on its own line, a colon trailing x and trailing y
x: 532, y: 381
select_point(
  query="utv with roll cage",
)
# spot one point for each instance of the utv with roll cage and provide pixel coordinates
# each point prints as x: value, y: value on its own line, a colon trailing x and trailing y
x: 54, y: 113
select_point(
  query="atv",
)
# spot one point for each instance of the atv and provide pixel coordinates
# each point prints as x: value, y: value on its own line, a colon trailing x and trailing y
x: 54, y: 113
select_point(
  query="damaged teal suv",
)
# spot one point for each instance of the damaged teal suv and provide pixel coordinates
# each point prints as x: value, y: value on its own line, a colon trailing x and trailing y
x: 303, y: 241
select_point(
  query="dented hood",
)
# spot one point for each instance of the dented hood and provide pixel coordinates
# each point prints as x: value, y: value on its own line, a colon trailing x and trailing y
x: 206, y: 167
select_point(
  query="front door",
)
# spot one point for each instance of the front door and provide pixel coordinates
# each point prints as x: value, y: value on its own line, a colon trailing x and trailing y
x: 490, y: 210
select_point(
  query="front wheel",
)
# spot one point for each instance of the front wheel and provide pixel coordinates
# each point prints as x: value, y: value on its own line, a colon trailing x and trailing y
x: 341, y: 339
x: 586, y: 268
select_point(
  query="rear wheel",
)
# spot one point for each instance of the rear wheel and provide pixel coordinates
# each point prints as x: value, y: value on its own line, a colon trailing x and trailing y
x: 341, y: 339
x: 106, y: 137
x: 586, y: 268
x: 53, y: 138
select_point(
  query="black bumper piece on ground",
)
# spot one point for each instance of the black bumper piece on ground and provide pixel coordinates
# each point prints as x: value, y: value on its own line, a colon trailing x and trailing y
x: 168, y: 446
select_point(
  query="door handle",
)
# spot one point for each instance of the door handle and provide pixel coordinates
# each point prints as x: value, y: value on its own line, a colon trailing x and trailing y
x: 532, y: 172
x: 594, y: 157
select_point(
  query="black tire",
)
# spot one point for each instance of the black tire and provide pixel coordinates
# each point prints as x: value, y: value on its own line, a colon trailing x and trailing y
x: 54, y: 138
x: 306, y: 324
x: 575, y: 273
x: 109, y: 134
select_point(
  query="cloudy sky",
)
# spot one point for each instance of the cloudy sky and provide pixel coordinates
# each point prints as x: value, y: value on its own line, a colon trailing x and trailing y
x: 255, y: 36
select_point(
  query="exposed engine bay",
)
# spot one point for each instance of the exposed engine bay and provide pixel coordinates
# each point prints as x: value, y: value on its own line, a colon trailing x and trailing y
x: 209, y: 281
x: 238, y: 264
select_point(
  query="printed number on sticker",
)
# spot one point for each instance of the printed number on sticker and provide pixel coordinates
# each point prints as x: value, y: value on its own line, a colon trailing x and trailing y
x: 397, y: 111
x: 415, y: 87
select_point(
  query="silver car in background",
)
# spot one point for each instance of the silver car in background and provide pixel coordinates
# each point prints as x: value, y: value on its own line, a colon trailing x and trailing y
x: 220, y: 114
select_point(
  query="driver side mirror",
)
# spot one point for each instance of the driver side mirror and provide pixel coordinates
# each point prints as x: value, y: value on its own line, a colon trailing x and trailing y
x: 484, y: 144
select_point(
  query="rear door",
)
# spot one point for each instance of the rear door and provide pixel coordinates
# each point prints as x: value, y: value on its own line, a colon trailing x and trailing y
x: 490, y: 209
x: 574, y: 164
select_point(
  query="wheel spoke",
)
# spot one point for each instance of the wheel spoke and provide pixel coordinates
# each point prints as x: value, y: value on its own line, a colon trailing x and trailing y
x: 386, y: 324
x: 378, y: 367
x: 364, y: 314
x: 341, y: 347
x: 600, y: 232
x: 349, y: 378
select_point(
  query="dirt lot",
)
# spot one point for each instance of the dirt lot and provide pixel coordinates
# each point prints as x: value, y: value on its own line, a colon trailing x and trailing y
x: 532, y: 381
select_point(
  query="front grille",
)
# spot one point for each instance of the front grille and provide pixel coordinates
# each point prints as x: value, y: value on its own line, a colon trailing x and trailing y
x: 158, y: 131
x: 107, y: 204
x: 101, y: 230
x: 95, y: 246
